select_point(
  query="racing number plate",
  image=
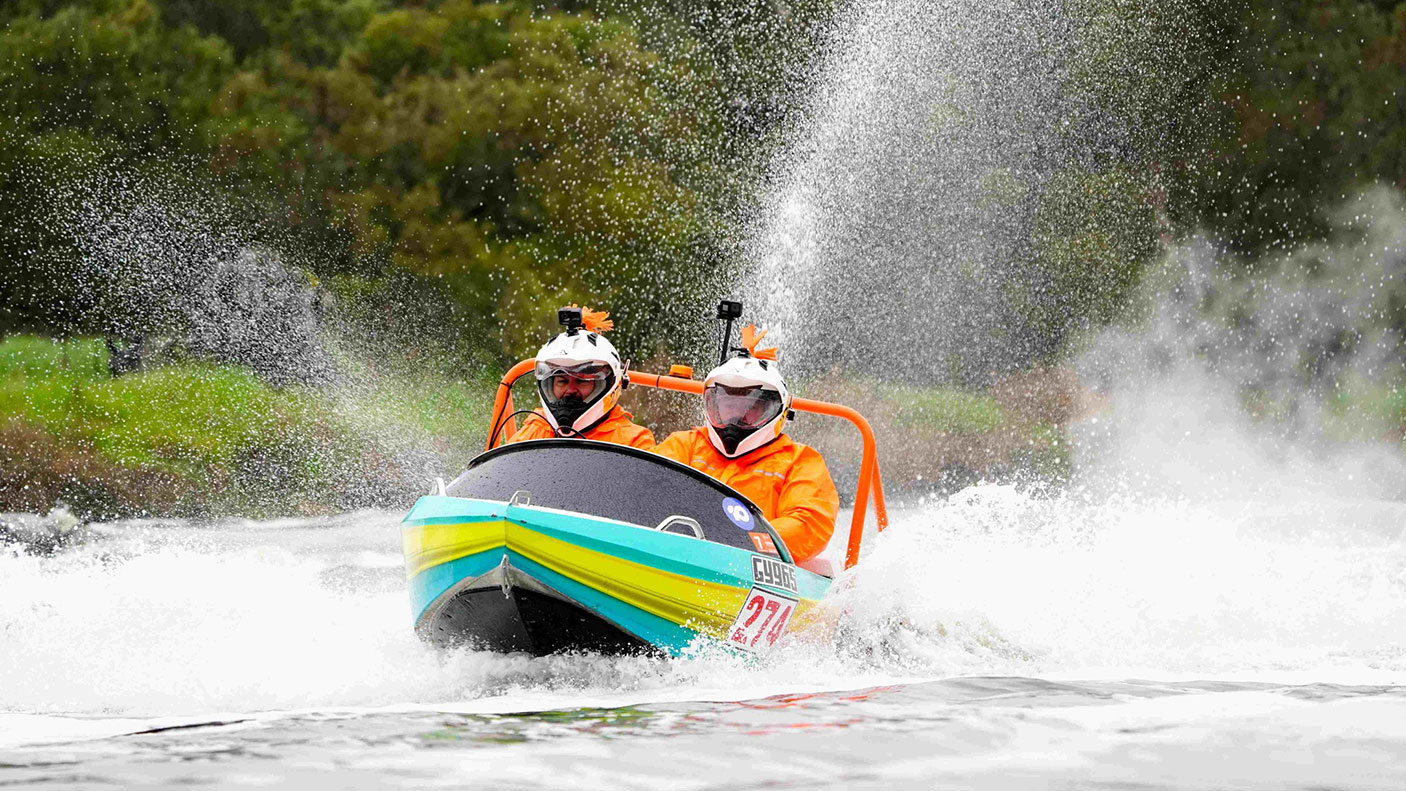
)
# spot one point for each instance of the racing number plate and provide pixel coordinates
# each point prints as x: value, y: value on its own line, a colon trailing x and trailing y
x: 762, y: 621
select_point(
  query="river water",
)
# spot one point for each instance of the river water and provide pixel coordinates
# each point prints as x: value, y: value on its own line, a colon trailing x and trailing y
x: 993, y: 639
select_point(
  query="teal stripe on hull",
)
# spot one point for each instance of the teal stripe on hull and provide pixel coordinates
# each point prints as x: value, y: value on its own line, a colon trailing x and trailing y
x: 441, y: 509
x: 431, y: 583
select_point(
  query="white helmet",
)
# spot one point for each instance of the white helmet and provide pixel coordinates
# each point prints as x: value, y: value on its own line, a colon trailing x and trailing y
x: 579, y: 373
x: 746, y: 399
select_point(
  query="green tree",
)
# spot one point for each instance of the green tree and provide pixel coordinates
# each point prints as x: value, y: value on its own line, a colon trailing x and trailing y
x: 86, y: 83
x: 1312, y: 111
x: 521, y: 159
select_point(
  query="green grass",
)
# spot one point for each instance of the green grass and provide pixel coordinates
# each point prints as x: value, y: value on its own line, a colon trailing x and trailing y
x: 238, y: 443
x: 204, y: 423
x: 29, y: 356
x: 945, y: 409
x: 181, y: 418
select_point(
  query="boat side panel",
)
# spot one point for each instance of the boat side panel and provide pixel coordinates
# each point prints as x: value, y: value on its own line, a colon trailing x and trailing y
x: 669, y: 637
x: 698, y: 604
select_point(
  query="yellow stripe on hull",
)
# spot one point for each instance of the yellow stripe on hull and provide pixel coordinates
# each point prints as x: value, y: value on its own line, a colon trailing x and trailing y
x: 706, y: 607
x: 427, y: 546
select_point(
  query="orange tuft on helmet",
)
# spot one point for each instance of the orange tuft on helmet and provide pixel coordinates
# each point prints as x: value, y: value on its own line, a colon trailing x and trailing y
x: 597, y: 321
x: 751, y: 339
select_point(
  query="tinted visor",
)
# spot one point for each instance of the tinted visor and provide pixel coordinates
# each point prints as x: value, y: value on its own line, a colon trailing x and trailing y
x: 740, y: 407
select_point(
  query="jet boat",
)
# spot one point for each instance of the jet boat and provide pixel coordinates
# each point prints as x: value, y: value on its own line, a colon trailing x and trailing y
x: 559, y: 545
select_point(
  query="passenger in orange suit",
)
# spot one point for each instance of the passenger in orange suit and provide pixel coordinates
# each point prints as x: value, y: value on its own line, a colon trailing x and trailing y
x: 744, y: 446
x: 579, y: 377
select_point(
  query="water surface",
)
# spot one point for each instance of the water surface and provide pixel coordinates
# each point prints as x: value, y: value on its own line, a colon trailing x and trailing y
x: 992, y: 640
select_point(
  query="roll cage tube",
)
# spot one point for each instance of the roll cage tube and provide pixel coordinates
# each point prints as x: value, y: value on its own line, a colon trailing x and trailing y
x: 503, y: 425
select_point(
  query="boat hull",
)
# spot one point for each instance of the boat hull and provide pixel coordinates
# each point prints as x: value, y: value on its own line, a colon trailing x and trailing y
x: 502, y: 576
x: 522, y: 619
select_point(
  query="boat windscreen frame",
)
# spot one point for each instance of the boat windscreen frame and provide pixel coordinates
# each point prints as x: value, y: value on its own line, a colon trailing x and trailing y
x: 503, y: 424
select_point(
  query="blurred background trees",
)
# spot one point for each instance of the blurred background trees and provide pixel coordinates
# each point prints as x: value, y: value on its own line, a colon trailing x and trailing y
x: 471, y: 161
x: 423, y: 181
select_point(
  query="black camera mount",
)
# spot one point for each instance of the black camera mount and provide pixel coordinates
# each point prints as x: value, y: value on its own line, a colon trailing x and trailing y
x: 728, y: 311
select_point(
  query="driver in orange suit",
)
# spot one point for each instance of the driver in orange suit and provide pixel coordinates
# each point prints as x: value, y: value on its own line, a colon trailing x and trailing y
x: 579, y: 378
x: 745, y: 447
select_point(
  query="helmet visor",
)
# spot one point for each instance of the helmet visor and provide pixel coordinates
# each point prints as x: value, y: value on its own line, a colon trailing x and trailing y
x: 560, y: 382
x: 741, y: 407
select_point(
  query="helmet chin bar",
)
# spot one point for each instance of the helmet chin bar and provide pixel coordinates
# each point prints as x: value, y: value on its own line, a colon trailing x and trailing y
x: 870, y: 482
x: 732, y: 436
x: 568, y: 410
x: 750, y: 440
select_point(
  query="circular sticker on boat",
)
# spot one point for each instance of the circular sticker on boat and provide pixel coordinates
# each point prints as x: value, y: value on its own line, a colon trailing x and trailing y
x: 738, y: 513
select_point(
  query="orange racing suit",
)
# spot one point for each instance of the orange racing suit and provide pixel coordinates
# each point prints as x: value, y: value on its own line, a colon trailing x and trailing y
x: 787, y: 480
x: 617, y: 427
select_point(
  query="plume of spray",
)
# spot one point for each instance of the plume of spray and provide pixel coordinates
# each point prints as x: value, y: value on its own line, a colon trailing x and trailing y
x: 907, y: 184
x: 162, y: 256
x: 1260, y: 380
x: 1219, y: 520
x: 945, y: 154
x: 1193, y: 537
x: 169, y: 267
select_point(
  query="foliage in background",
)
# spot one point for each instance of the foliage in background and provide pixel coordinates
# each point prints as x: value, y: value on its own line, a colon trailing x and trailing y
x: 500, y: 155
x: 196, y: 438
x: 441, y: 170
x: 1310, y: 109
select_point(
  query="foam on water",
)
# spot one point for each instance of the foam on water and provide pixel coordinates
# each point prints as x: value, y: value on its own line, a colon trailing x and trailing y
x: 238, y: 618
x: 180, y: 620
x: 1155, y: 587
x: 181, y: 626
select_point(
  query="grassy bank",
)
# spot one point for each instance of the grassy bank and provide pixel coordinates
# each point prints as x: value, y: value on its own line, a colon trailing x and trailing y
x: 192, y: 438
x: 939, y: 439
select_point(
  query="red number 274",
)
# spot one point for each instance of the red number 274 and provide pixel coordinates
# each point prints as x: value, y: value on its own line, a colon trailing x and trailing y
x: 758, y: 605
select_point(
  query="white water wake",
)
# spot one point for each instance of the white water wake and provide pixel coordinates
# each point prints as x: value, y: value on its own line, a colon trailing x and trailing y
x: 208, y: 620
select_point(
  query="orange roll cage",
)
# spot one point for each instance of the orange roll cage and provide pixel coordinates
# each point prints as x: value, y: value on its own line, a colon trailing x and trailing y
x: 870, y: 481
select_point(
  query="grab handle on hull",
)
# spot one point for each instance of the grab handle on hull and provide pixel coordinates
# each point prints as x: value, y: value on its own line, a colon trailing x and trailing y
x: 668, y: 524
